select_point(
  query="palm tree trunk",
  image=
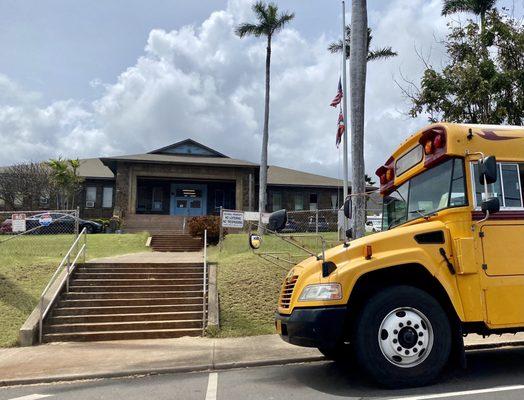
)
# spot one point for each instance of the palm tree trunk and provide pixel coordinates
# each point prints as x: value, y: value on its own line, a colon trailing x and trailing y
x: 357, y: 76
x: 262, y: 196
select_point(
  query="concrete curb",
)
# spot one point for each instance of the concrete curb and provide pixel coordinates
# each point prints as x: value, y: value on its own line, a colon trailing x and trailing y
x: 202, y: 367
x: 156, y: 371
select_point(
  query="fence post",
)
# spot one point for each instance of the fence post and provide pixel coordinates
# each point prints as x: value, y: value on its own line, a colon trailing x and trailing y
x: 77, y: 225
x: 221, y: 230
x: 316, y: 221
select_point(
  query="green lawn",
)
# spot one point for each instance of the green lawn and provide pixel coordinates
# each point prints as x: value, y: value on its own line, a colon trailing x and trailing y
x: 27, y: 263
x: 249, y: 286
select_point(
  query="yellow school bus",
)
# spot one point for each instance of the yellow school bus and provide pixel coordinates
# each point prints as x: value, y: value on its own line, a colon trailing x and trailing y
x: 449, y: 260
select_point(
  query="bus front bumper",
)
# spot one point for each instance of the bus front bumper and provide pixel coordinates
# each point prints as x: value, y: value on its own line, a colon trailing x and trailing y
x: 312, y: 327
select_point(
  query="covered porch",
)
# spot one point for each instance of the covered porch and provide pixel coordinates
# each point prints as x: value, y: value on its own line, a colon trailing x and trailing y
x: 165, y: 196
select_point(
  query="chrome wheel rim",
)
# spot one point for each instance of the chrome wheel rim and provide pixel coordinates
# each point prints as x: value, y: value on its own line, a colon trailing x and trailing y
x: 405, y: 337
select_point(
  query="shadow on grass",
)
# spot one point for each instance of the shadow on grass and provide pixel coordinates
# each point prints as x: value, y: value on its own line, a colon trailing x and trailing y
x: 13, y: 295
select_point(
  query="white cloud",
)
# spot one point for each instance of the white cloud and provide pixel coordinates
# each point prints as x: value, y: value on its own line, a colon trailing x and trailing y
x: 205, y: 83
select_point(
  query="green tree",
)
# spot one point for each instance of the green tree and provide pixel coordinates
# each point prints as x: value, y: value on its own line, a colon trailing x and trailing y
x: 67, y: 182
x: 269, y: 22
x: 477, y: 7
x: 473, y: 87
x: 376, y: 54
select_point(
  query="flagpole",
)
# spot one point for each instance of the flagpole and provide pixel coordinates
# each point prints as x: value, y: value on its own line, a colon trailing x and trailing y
x: 344, y: 102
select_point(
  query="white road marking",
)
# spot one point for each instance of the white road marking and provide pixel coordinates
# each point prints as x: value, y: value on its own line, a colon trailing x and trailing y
x: 212, y: 386
x: 32, y: 397
x: 463, y: 393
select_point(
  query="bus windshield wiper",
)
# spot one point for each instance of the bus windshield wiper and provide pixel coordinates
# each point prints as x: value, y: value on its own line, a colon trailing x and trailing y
x: 423, y: 213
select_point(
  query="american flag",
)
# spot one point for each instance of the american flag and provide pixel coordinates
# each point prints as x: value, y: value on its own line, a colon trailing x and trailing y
x: 341, y: 128
x: 338, y: 98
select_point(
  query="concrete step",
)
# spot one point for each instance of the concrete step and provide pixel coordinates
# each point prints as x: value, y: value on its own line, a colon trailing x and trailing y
x: 131, y: 294
x: 123, y: 326
x: 181, y: 278
x: 130, y: 301
x: 181, y: 290
x: 155, y: 266
x: 126, y: 282
x: 98, y: 318
x: 121, y: 335
x: 195, y: 306
x: 138, y: 273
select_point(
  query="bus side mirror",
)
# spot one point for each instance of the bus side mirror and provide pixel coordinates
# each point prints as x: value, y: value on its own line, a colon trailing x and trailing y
x: 491, y: 205
x: 277, y: 220
x: 348, y: 208
x: 488, y: 170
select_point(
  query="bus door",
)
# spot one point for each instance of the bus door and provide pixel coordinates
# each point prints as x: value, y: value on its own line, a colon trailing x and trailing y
x: 502, y: 246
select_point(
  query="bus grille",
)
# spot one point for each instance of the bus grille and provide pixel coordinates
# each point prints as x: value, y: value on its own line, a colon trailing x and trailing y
x: 287, y: 291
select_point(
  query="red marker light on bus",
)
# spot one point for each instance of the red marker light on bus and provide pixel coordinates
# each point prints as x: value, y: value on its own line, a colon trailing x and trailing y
x: 438, y: 142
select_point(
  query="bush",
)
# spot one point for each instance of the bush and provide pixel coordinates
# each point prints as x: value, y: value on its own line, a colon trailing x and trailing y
x: 197, y: 225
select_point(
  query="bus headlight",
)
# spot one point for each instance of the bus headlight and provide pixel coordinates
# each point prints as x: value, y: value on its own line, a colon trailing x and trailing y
x: 321, y: 291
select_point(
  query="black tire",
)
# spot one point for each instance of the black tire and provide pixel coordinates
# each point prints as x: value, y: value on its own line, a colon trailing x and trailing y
x: 89, y: 229
x: 366, y: 337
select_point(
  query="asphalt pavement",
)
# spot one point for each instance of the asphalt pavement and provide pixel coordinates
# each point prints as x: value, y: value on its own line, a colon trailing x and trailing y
x: 491, y: 374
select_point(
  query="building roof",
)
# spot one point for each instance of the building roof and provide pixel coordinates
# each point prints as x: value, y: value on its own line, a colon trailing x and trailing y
x: 188, y: 147
x: 94, y: 168
x: 285, y: 176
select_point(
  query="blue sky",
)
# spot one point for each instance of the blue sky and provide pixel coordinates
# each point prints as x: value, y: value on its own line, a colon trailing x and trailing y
x: 101, y: 77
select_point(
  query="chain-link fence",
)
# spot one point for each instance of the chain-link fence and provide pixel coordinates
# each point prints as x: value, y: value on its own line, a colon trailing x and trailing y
x: 30, y: 235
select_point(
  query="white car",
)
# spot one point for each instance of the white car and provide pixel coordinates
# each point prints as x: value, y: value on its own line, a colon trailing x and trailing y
x: 373, y: 225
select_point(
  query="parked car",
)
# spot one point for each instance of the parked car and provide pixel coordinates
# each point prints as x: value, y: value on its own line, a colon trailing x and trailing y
x: 59, y: 223
x: 373, y: 226
x: 291, y: 226
x: 320, y: 225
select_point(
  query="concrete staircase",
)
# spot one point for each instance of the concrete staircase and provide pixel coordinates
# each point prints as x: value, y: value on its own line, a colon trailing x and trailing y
x: 134, y: 223
x: 175, y: 242
x: 109, y: 301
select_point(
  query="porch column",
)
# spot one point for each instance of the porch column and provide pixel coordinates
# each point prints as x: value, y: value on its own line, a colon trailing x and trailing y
x: 239, y: 193
x: 132, y: 191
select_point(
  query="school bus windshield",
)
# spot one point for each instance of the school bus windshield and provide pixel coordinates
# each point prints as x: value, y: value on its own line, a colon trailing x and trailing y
x: 440, y: 187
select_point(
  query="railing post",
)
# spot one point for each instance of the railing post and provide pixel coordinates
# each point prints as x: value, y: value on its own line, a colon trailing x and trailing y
x: 85, y: 245
x: 220, y: 229
x: 204, y: 301
x: 40, y: 321
x: 67, y: 278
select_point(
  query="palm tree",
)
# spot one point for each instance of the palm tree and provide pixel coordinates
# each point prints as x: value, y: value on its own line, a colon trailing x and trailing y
x: 269, y: 22
x: 477, y: 7
x: 359, y: 54
x: 377, y: 54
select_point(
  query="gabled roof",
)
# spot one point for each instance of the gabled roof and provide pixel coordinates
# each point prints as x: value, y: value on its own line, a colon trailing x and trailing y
x: 188, y: 147
x: 280, y: 176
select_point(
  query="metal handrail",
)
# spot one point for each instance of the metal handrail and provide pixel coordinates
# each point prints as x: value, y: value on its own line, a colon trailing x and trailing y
x: 69, y: 269
x: 204, y: 301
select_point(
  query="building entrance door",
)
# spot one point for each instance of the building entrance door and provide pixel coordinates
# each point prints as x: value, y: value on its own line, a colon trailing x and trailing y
x: 188, y: 199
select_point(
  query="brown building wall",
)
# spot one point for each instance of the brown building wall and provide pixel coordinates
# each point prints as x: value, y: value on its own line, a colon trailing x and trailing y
x: 307, y: 194
x: 98, y: 211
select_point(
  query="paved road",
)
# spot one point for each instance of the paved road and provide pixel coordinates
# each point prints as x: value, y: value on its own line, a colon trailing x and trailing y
x: 491, y: 374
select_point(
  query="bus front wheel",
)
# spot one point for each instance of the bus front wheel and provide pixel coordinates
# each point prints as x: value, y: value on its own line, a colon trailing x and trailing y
x: 402, y: 337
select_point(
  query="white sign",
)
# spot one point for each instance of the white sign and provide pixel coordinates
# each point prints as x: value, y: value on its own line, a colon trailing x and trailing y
x: 45, y: 220
x: 18, y: 223
x: 253, y: 216
x: 233, y: 219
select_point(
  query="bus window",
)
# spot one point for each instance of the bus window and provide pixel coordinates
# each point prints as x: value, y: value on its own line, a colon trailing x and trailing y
x: 507, y: 188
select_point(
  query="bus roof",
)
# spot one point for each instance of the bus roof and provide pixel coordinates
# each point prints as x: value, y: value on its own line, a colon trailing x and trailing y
x: 503, y: 141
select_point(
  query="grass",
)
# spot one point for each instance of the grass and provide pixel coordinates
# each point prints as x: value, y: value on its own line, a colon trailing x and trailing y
x: 249, y: 286
x: 27, y: 263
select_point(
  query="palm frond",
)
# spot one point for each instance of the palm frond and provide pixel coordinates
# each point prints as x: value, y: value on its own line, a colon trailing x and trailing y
x: 455, y: 6
x: 261, y: 11
x: 246, y: 29
x: 381, y: 54
x: 282, y: 20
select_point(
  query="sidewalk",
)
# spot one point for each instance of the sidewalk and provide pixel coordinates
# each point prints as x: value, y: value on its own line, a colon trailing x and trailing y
x: 153, y: 257
x: 73, y: 361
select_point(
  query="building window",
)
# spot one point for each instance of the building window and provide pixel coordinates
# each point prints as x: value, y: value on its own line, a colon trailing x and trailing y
x: 107, y: 197
x: 299, y: 202
x: 157, y: 199
x: 90, y: 196
x: 277, y: 201
x: 219, y: 199
x: 334, y: 201
x: 313, y: 201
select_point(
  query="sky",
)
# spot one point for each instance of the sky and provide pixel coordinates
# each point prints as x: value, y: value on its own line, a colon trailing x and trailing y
x: 96, y: 78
